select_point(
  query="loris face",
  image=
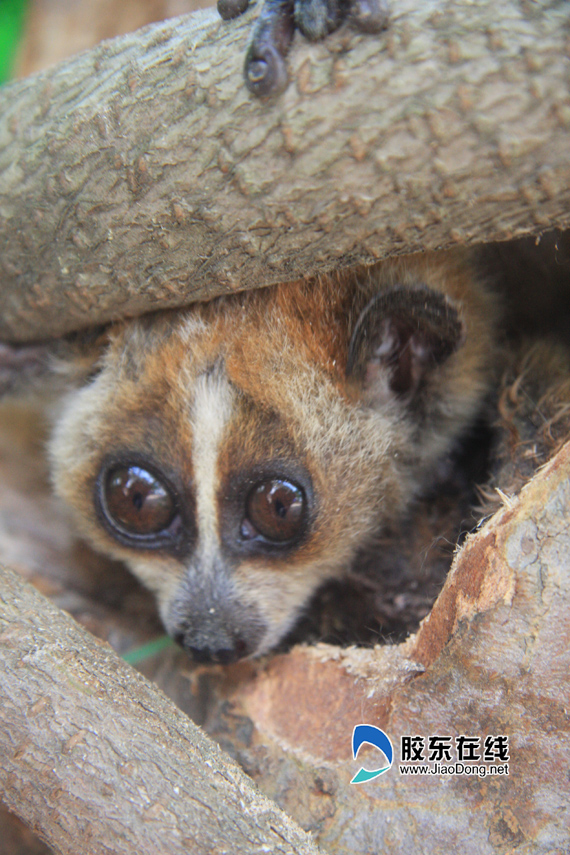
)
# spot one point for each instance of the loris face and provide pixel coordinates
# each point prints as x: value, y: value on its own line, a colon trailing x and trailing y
x: 237, y: 454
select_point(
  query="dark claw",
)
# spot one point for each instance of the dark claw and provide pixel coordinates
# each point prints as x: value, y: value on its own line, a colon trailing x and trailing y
x: 229, y: 9
x: 317, y: 18
x: 265, y: 70
x: 369, y: 16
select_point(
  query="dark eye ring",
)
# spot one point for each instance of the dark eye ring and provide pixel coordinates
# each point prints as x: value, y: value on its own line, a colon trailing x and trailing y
x: 138, y: 506
x: 275, y: 512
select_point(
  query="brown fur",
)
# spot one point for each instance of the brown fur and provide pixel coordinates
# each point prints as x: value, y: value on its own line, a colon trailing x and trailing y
x: 261, y: 377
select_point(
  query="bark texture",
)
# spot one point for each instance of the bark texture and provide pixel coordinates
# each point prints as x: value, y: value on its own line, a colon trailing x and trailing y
x: 142, y: 174
x: 93, y: 755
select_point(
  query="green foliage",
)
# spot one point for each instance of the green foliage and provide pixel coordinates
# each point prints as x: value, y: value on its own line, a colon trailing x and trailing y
x: 145, y: 651
x: 11, y: 21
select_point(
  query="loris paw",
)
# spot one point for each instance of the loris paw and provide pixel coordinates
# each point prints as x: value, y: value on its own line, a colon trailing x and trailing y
x: 265, y: 70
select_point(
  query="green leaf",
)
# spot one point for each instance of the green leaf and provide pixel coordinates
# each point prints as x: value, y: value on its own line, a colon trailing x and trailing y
x: 145, y: 651
x: 12, y: 15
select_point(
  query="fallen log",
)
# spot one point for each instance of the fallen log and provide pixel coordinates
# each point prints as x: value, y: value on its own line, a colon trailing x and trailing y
x: 141, y: 174
x: 94, y: 755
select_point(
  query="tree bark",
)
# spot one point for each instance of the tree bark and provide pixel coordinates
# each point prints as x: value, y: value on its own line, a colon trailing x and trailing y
x: 93, y: 753
x: 141, y: 174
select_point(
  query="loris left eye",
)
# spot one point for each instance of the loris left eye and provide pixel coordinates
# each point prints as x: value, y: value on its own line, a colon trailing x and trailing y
x: 138, y: 506
x: 275, y: 509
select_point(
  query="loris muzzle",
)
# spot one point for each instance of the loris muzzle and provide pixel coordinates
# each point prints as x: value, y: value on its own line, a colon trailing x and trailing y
x: 238, y: 454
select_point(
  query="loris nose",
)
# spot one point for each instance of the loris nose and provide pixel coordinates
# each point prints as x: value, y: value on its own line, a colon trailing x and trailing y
x: 222, y: 656
x: 210, y: 621
x: 222, y: 649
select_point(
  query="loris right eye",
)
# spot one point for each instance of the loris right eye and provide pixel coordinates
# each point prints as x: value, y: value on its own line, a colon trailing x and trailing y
x: 138, y: 507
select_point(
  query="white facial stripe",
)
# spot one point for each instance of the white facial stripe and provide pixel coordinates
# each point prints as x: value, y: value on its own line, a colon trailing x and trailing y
x: 211, y: 411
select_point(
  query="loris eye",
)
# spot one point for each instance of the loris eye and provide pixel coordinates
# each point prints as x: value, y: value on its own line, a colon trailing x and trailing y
x: 275, y: 510
x: 136, y: 503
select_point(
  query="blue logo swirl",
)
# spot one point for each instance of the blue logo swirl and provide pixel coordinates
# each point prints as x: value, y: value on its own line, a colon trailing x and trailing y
x: 371, y: 735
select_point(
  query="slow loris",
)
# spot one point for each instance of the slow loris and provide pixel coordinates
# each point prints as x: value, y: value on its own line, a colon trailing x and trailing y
x: 237, y: 454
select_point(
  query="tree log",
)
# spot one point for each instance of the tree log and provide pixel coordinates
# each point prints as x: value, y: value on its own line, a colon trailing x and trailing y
x: 93, y: 753
x: 141, y: 174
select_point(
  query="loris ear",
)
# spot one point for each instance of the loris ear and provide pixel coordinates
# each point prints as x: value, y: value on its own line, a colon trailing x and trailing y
x: 402, y: 335
x: 50, y: 366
